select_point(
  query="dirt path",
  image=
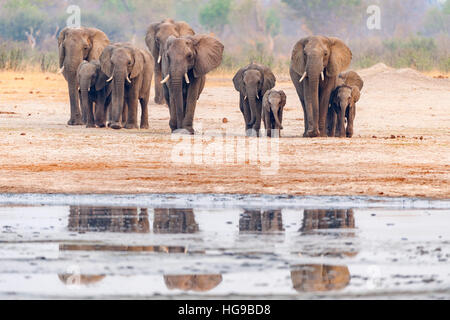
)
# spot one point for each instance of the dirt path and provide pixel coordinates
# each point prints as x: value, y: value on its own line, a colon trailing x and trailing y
x: 401, y: 145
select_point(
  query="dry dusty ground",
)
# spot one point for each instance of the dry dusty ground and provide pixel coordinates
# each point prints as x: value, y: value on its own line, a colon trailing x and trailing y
x: 39, y: 153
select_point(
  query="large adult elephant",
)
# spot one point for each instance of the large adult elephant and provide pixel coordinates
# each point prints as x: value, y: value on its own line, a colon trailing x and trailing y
x: 252, y: 82
x: 156, y: 39
x: 76, y: 45
x: 186, y: 61
x: 130, y: 71
x: 316, y: 63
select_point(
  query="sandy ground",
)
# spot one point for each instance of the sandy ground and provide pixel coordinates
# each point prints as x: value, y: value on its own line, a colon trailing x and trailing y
x: 401, y: 145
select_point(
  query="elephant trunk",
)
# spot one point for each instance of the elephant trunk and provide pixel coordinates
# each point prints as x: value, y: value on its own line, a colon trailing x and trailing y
x: 118, y: 95
x: 252, y: 103
x: 277, y: 120
x: 178, y: 101
x: 314, y: 70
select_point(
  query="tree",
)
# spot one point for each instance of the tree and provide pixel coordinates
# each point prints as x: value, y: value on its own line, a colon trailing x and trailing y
x: 214, y: 15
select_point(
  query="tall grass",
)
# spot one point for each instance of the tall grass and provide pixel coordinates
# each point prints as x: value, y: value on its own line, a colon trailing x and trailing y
x: 18, y: 56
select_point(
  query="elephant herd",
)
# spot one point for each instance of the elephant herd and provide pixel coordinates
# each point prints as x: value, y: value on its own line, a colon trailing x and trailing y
x: 110, y: 80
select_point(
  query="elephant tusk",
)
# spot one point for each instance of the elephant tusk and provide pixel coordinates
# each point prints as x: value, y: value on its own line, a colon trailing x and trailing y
x: 159, y: 59
x: 128, y: 79
x: 303, y: 77
x: 61, y: 70
x: 245, y: 98
x: 257, y: 96
x: 323, y: 77
x: 165, y: 79
x: 89, y: 89
x: 186, y: 77
x: 110, y: 79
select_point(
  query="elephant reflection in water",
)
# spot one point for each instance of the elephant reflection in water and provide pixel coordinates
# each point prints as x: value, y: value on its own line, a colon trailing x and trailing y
x: 72, y: 280
x: 327, y: 219
x: 108, y: 219
x: 174, y: 221
x: 197, y: 282
x: 261, y: 221
x: 316, y: 277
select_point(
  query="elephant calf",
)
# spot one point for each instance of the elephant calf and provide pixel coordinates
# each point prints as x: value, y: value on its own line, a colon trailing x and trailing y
x: 95, y: 92
x: 272, y: 112
x: 130, y: 72
x: 343, y: 105
x: 252, y: 82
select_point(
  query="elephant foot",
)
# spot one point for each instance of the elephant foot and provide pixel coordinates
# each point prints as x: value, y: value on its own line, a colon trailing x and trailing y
x: 90, y: 125
x: 182, y: 132
x: 76, y: 122
x: 145, y: 126
x: 252, y: 133
x: 100, y: 124
x: 131, y: 126
x: 115, y: 126
x: 312, y: 133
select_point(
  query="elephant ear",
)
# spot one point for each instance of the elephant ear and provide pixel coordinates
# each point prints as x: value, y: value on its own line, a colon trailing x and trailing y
x: 266, y: 102
x: 238, y: 79
x: 283, y: 98
x: 209, y: 54
x: 340, y: 57
x: 355, y: 94
x: 150, y: 39
x: 101, y: 77
x: 138, y: 65
x: 105, y: 61
x: 269, y: 80
x: 62, y: 51
x: 298, y: 57
x: 99, y: 41
x: 184, y: 29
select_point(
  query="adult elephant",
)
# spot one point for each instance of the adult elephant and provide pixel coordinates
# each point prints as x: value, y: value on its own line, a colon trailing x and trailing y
x: 316, y: 63
x: 156, y: 39
x: 130, y: 71
x: 186, y: 61
x: 252, y: 82
x: 76, y: 45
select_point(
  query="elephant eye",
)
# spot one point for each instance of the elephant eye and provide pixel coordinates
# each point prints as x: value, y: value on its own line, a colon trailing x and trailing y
x: 189, y: 55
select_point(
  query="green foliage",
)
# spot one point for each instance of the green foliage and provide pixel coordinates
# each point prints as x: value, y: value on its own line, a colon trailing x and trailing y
x: 214, y: 15
x: 437, y: 20
x: 273, y: 22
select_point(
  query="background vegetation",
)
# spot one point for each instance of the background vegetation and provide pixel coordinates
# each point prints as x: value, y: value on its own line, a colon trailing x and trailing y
x: 414, y: 33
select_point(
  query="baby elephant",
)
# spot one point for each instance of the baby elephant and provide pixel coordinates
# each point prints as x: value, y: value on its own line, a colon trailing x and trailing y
x: 272, y: 112
x: 94, y: 92
x: 343, y: 105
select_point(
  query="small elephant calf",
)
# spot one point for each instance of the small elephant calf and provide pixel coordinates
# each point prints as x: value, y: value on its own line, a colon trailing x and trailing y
x: 95, y: 92
x: 343, y: 105
x: 272, y: 112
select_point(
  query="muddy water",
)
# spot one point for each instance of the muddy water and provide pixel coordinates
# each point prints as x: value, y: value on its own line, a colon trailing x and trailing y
x: 375, y: 249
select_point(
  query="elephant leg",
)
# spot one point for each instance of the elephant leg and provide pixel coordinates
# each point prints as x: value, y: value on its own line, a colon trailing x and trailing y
x: 331, y: 122
x: 159, y: 94
x: 133, y: 102
x: 100, y: 109
x: 324, y: 103
x: 144, y: 113
x: 75, y: 112
x: 191, y: 103
x: 90, y: 123
x: 300, y: 92
x: 267, y: 124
